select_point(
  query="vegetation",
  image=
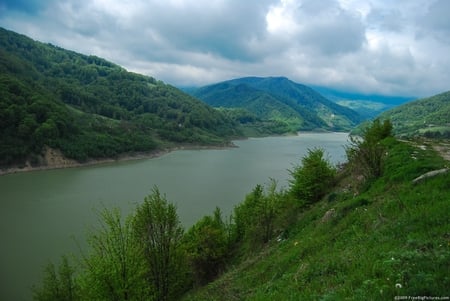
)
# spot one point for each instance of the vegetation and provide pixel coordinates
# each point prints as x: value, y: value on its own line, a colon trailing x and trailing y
x: 90, y: 108
x: 427, y: 117
x: 312, y: 179
x: 366, y: 154
x: 283, y: 106
x: 329, y: 236
x: 159, y: 235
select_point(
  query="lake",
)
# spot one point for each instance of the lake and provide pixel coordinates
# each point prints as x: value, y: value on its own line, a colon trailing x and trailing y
x: 44, y: 213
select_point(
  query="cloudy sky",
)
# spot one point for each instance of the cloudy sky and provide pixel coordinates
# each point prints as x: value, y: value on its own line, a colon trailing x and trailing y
x: 387, y: 47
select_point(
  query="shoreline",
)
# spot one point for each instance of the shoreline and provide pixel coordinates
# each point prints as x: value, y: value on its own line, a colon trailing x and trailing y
x: 55, y: 160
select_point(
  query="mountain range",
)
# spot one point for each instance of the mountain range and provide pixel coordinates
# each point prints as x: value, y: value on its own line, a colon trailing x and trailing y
x: 279, y: 100
x: 90, y: 108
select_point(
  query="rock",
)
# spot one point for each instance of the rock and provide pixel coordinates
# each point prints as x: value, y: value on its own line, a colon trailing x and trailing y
x: 430, y: 174
x: 330, y: 214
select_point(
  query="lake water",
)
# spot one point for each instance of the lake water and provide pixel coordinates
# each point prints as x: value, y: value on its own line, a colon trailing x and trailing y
x: 44, y: 213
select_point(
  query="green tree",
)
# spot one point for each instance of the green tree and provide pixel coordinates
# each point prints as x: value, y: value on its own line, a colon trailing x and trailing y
x: 115, y: 267
x: 58, y: 285
x: 255, y: 217
x: 312, y: 179
x: 366, y: 154
x: 208, y: 245
x: 160, y: 234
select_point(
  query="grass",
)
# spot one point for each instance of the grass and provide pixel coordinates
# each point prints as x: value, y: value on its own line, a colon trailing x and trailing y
x: 391, y: 239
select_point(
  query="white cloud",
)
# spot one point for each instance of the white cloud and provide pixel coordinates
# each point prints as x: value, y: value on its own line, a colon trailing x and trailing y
x: 376, y: 46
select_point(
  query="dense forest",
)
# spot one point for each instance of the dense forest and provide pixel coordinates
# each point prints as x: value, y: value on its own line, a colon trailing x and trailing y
x: 364, y: 231
x: 90, y: 108
x: 279, y: 102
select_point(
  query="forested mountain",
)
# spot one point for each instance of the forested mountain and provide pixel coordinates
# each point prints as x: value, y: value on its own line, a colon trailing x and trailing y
x: 91, y: 108
x: 278, y: 99
x: 429, y: 117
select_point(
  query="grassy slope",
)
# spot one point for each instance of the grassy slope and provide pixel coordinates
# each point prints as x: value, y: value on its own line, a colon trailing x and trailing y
x: 417, y: 117
x: 393, y: 234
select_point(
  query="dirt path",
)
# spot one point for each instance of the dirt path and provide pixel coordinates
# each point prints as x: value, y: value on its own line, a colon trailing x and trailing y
x: 443, y: 149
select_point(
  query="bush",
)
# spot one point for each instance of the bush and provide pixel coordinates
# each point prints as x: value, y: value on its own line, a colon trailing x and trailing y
x: 313, y: 178
x: 208, y: 246
x: 366, y: 154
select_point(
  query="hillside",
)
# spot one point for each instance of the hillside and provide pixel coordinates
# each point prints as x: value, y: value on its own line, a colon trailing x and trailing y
x: 389, y: 237
x: 429, y: 117
x: 280, y: 100
x: 89, y: 108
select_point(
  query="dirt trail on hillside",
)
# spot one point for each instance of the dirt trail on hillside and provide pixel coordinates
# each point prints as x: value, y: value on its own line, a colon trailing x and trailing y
x: 443, y: 149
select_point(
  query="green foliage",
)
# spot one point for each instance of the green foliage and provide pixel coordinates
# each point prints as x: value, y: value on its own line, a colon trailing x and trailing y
x: 90, y: 108
x: 58, y: 285
x: 427, y: 116
x: 366, y: 154
x: 208, y: 244
x: 159, y: 234
x: 313, y: 178
x: 390, y: 240
x: 255, y: 217
x: 114, y: 269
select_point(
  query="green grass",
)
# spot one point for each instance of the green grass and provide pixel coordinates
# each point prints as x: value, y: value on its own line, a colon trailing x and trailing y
x: 392, y: 239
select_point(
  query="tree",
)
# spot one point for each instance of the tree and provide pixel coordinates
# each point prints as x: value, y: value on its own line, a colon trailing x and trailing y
x: 114, y: 270
x: 312, y: 179
x: 255, y: 217
x: 366, y: 154
x: 58, y: 285
x: 159, y: 232
x: 208, y: 245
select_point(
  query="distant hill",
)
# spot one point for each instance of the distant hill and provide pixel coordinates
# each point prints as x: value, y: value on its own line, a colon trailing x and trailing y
x: 91, y: 108
x: 279, y: 100
x: 368, y: 106
x: 429, y: 117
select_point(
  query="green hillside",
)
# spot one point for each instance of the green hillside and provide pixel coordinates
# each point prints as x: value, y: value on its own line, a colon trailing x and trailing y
x: 280, y: 100
x: 370, y: 239
x: 429, y: 117
x: 91, y: 108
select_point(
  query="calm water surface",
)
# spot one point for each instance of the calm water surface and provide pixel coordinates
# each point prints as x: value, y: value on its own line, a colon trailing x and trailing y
x: 43, y: 213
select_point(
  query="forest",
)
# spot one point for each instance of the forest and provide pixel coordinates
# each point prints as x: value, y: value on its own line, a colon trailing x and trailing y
x: 320, y: 238
x: 90, y: 108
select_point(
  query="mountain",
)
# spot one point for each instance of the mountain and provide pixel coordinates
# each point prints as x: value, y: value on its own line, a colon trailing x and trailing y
x: 429, y: 117
x: 368, y: 106
x: 89, y: 108
x: 279, y: 100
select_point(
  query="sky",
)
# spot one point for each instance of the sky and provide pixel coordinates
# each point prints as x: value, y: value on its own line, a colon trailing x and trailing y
x: 384, y: 47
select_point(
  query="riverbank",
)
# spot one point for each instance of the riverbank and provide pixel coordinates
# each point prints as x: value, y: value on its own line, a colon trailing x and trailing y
x: 54, y: 159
